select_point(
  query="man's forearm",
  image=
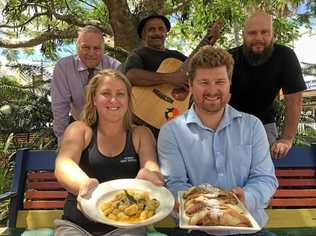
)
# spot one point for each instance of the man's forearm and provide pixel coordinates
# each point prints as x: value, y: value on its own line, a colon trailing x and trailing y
x: 291, y: 116
x: 139, y: 77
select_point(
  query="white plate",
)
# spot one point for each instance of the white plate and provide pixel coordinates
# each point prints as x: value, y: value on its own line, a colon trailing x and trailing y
x: 106, y: 191
x: 217, y: 229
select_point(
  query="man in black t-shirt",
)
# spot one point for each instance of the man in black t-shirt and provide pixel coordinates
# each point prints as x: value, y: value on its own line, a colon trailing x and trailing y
x: 143, y: 62
x: 261, y: 69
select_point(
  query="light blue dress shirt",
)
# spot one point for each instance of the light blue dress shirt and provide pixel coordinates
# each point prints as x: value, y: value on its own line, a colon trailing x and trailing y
x: 236, y: 154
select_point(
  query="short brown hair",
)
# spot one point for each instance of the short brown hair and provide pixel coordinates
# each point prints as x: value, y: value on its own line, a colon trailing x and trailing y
x: 208, y: 57
x: 89, y: 114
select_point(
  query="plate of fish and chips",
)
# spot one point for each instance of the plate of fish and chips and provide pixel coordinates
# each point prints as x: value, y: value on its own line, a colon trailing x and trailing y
x: 128, y: 203
x: 211, y: 209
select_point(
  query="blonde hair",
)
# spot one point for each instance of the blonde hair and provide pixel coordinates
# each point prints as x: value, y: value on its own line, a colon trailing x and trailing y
x: 208, y: 57
x: 89, y: 114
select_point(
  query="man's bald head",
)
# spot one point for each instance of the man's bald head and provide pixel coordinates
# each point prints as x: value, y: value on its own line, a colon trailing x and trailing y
x: 258, y: 37
x: 260, y: 17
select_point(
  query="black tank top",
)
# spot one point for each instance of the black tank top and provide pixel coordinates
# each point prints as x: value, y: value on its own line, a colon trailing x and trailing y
x: 96, y: 165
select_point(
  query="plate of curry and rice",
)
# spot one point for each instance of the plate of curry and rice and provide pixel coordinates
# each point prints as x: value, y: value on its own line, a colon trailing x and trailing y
x: 214, y: 210
x: 128, y: 203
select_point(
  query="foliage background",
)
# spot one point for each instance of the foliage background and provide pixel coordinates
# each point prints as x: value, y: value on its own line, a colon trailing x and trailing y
x: 51, y: 26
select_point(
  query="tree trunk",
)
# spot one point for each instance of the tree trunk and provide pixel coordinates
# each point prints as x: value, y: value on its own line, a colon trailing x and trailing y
x: 124, y: 22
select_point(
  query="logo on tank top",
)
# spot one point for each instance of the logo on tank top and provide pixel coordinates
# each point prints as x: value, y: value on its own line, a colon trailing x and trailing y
x: 128, y: 159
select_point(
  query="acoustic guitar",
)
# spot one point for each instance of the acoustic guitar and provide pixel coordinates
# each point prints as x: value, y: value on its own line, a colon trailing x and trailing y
x: 155, y: 105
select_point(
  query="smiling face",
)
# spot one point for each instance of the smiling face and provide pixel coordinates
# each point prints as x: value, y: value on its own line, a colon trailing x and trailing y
x: 155, y: 33
x: 210, y: 89
x: 258, y: 33
x: 90, y: 48
x: 111, y: 99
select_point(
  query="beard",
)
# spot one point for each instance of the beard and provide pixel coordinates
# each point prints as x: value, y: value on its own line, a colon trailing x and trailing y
x: 216, y: 106
x: 257, y: 59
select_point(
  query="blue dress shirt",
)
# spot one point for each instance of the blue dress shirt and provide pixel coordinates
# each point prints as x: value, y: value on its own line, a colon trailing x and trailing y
x: 236, y: 154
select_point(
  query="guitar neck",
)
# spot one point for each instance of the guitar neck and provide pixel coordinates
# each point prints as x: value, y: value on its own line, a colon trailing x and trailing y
x: 209, y: 39
x: 205, y: 41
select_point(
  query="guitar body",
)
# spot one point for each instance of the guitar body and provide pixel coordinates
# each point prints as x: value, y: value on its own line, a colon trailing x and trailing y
x: 156, y: 105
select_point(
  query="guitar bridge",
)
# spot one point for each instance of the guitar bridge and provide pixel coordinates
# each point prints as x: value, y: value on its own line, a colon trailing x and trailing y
x: 163, y: 96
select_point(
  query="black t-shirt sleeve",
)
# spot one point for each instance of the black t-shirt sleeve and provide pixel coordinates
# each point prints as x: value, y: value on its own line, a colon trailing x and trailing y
x: 134, y: 61
x: 180, y: 56
x: 292, y: 78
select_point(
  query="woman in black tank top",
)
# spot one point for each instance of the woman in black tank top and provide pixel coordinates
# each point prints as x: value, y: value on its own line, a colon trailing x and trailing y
x: 102, y: 146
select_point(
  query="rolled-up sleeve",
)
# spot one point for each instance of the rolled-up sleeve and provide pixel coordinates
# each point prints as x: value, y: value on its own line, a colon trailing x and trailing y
x: 262, y: 182
x: 134, y: 61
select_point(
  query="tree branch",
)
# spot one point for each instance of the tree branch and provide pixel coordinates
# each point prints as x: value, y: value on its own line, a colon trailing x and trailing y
x: 176, y: 8
x: 88, y: 4
x: 156, y: 6
x: 56, y: 34
x: 120, y: 52
x: 24, y: 23
x: 73, y: 20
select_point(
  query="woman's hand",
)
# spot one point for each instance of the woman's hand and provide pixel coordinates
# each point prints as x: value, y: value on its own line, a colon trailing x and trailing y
x: 86, y: 189
x: 153, y: 176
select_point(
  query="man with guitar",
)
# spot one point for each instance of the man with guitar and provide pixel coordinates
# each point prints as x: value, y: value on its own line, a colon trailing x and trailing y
x: 261, y: 69
x: 142, y: 64
x: 160, y: 87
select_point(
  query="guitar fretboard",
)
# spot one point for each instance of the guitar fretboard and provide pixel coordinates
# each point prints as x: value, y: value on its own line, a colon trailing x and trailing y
x: 208, y: 39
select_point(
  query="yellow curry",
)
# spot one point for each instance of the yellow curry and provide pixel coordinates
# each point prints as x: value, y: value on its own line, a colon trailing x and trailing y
x: 130, y: 206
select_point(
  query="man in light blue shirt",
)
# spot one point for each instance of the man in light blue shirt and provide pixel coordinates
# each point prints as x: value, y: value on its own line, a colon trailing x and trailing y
x: 214, y: 143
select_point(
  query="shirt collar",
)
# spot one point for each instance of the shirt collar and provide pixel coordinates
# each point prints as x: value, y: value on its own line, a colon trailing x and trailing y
x: 192, y: 117
x: 229, y: 115
x: 83, y: 67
